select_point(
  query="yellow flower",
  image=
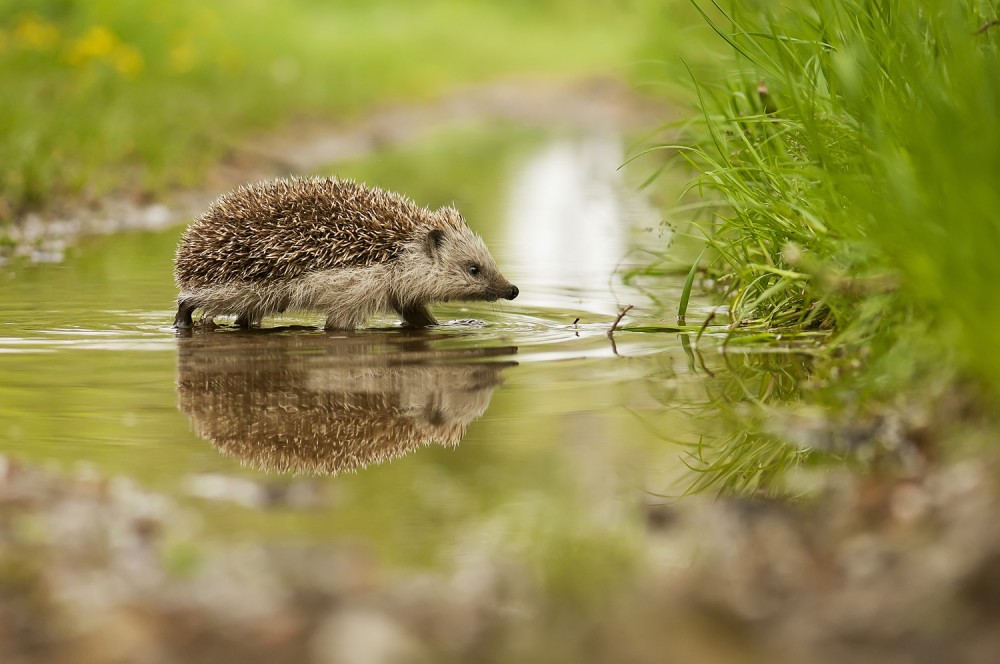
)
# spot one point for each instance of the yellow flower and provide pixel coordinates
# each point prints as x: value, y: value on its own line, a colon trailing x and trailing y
x: 127, y: 61
x: 34, y: 32
x: 97, y: 42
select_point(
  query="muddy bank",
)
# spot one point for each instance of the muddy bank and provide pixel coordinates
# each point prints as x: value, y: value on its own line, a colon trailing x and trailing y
x: 94, y: 569
x: 309, y: 143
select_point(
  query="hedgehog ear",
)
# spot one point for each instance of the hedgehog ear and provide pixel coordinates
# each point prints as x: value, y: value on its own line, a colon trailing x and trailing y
x: 434, y: 240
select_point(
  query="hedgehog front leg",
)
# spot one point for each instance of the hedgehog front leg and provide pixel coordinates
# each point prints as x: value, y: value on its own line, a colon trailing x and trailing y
x: 416, y: 315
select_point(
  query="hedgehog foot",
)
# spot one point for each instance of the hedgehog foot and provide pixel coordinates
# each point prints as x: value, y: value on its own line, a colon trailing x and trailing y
x: 246, y: 320
x: 183, y: 318
x: 416, y: 315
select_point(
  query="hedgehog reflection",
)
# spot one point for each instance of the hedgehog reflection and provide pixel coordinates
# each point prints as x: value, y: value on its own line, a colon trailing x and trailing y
x: 320, y: 404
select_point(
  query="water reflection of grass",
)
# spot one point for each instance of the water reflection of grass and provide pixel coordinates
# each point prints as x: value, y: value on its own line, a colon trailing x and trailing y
x: 762, y: 419
x: 107, y: 95
x: 732, y: 401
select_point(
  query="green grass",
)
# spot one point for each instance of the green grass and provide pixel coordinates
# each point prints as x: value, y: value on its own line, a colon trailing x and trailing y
x: 847, y: 188
x: 849, y: 160
x: 103, y: 95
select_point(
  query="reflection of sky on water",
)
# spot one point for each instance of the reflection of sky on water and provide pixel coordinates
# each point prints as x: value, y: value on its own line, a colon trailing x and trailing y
x: 569, y: 212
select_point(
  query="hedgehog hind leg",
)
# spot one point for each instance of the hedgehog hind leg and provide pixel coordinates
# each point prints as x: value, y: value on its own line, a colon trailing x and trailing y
x: 248, y: 319
x: 415, y: 315
x: 185, y: 307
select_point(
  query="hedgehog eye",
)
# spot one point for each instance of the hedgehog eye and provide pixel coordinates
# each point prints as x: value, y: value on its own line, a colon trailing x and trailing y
x: 473, y: 270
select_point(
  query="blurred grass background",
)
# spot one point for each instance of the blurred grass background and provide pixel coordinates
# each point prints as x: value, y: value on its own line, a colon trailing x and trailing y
x: 102, y: 95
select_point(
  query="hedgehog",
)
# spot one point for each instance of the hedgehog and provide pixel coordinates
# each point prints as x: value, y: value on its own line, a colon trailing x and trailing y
x: 332, y: 245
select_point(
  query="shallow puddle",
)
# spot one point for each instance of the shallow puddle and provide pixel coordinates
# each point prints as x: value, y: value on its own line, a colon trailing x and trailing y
x: 508, y: 422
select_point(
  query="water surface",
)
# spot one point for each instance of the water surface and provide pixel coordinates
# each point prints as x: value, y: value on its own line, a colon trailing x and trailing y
x: 510, y: 422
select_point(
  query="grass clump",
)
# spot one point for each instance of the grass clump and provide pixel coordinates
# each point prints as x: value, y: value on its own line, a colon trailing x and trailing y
x: 848, y: 160
x: 849, y: 156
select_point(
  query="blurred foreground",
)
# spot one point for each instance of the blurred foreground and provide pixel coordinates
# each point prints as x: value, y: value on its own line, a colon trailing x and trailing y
x: 98, y: 570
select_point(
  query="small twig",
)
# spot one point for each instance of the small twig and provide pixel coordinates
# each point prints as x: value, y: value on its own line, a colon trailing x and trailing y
x: 986, y: 26
x: 701, y: 362
x: 576, y: 321
x: 704, y: 326
x: 614, y: 346
x: 621, y: 314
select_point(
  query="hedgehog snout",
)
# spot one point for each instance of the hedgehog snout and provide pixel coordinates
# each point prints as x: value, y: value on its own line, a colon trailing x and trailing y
x: 512, y: 293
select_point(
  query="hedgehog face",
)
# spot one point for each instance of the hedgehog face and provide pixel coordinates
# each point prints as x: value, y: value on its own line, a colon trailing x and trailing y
x: 469, y: 270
